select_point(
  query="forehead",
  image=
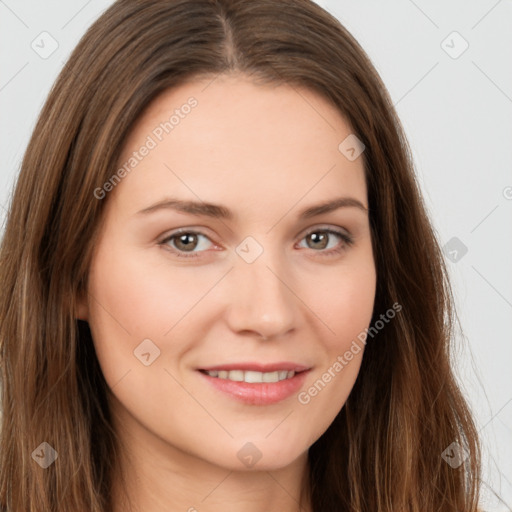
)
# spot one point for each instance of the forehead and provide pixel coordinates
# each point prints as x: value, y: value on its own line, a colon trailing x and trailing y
x: 215, y: 138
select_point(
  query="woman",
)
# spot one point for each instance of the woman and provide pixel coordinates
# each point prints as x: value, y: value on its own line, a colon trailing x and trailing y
x: 299, y: 360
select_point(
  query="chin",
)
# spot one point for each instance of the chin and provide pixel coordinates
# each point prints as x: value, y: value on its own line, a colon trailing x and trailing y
x: 262, y: 455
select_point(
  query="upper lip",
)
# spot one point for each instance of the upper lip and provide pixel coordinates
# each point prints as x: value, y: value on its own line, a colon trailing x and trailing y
x: 258, y: 367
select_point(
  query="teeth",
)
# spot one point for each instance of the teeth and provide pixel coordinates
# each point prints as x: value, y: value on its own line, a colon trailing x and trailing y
x: 270, y: 377
x: 237, y: 375
x: 251, y: 376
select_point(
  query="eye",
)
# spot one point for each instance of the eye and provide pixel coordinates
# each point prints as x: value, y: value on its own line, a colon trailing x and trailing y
x: 320, y: 239
x: 184, y: 242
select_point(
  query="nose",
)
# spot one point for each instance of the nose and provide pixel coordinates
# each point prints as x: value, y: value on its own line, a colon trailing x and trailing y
x: 261, y: 300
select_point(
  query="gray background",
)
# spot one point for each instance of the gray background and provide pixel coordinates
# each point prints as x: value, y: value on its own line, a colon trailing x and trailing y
x: 456, y: 108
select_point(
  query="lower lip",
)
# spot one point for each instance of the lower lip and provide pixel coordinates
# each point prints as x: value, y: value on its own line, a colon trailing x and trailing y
x: 258, y: 393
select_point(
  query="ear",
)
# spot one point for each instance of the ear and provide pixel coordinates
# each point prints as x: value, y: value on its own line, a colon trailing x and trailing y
x: 82, y: 307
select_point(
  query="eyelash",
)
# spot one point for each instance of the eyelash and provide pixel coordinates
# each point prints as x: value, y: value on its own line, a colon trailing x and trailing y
x: 347, y: 242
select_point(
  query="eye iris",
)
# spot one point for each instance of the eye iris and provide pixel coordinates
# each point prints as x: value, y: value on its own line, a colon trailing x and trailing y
x: 188, y: 239
x: 322, y: 237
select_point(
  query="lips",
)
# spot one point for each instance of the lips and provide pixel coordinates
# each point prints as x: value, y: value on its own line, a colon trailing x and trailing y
x: 255, y: 383
x: 258, y: 367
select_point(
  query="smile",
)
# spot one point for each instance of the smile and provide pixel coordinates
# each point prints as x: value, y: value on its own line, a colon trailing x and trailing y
x: 256, y: 384
x: 251, y: 376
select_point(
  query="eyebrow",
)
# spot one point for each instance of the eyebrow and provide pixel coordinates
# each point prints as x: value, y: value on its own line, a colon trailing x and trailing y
x: 200, y: 208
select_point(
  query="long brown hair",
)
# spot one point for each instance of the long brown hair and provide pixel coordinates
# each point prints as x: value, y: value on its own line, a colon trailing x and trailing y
x: 383, y: 452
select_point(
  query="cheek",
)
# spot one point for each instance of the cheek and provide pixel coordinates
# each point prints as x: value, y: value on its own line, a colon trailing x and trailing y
x: 140, y: 293
x: 344, y: 307
x: 344, y: 303
x: 132, y: 300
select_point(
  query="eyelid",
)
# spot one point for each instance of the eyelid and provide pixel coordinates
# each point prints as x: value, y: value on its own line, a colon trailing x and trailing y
x: 201, y: 231
x: 326, y: 227
x: 343, y: 233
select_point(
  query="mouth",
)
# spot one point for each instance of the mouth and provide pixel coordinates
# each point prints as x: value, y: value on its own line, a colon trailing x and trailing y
x: 250, y: 376
x: 257, y: 384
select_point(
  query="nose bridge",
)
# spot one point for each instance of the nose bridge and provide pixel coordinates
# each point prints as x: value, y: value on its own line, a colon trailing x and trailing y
x: 262, y: 301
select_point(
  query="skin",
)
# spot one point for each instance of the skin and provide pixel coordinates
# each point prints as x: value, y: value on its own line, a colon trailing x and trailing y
x: 266, y: 153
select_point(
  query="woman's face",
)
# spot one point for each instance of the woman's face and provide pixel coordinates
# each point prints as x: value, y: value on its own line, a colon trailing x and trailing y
x: 263, y: 284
